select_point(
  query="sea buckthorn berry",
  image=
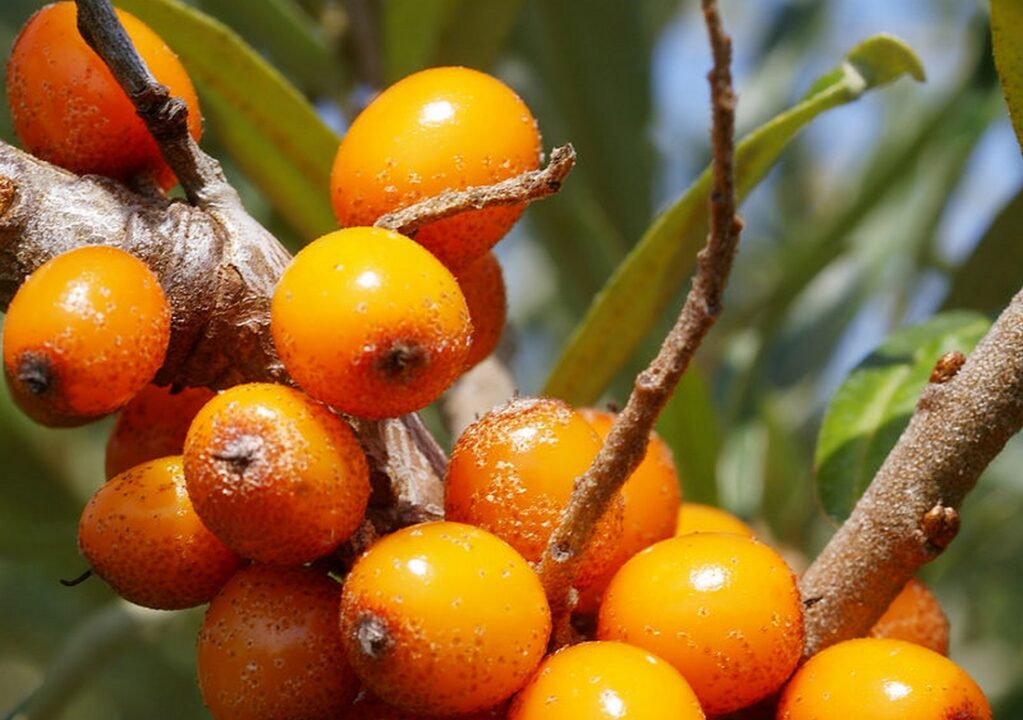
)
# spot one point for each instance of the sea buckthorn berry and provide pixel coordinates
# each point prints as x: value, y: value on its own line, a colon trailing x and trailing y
x: 140, y: 534
x: 84, y: 333
x: 650, y: 496
x: 723, y: 609
x: 446, y: 128
x: 269, y: 648
x: 152, y: 425
x: 368, y: 706
x: 67, y: 107
x: 881, y: 679
x: 914, y: 616
x: 276, y: 475
x: 597, y: 680
x: 482, y: 284
x: 697, y: 518
x: 512, y: 472
x: 367, y: 321
x: 443, y: 619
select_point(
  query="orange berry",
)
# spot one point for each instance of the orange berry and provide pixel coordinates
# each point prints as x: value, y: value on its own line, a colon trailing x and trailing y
x: 512, y: 472
x: 443, y: 619
x: 367, y: 321
x: 67, y: 107
x: 596, y: 680
x: 269, y: 648
x: 914, y: 616
x: 445, y: 128
x: 482, y: 284
x: 152, y: 425
x: 368, y: 706
x: 723, y: 609
x: 881, y: 679
x: 650, y: 496
x: 277, y: 476
x: 697, y: 518
x: 140, y: 534
x: 84, y: 333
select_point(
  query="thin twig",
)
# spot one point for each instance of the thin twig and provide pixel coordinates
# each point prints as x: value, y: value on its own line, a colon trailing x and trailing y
x: 527, y: 187
x: 627, y: 441
x: 165, y: 116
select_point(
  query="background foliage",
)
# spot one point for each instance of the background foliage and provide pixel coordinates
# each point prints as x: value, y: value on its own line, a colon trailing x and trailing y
x: 879, y: 214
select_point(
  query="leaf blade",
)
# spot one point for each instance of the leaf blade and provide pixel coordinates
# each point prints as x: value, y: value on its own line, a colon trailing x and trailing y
x: 657, y: 267
x: 1006, y: 21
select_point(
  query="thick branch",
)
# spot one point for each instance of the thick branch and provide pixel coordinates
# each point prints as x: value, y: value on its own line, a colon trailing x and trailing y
x: 627, y: 441
x: 524, y: 188
x: 164, y: 115
x: 910, y: 511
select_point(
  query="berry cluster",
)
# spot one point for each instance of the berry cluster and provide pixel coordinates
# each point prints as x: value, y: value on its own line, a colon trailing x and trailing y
x: 242, y: 499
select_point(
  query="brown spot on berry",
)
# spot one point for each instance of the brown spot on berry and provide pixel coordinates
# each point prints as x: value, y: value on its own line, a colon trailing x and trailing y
x: 402, y: 361
x: 35, y: 373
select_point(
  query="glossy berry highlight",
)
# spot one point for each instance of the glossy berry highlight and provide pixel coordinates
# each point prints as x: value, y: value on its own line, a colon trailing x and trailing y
x: 512, y: 472
x: 84, y: 333
x: 444, y: 619
x: 68, y: 109
x: 269, y: 648
x: 723, y: 609
x: 440, y: 129
x: 881, y: 679
x: 141, y: 535
x: 368, y: 322
x: 275, y: 474
x: 605, y: 681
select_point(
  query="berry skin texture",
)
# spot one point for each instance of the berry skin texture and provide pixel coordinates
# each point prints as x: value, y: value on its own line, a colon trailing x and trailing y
x: 598, y: 680
x: 84, y: 333
x: 723, y: 609
x: 369, y: 707
x: 152, y: 425
x: 881, y: 679
x: 443, y: 619
x: 482, y: 284
x: 269, y: 648
x: 141, y: 535
x: 650, y: 496
x: 445, y: 128
x: 274, y: 474
x: 368, y: 322
x: 512, y: 472
x: 914, y: 616
x: 697, y: 518
x: 67, y: 107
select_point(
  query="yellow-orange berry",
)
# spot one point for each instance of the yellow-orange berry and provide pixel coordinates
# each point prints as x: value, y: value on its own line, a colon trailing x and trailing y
x: 67, y: 107
x: 276, y: 475
x: 650, y: 497
x: 598, y: 680
x: 482, y: 284
x: 367, y: 321
x: 440, y: 129
x: 723, y: 609
x: 140, y: 534
x: 152, y: 425
x: 881, y: 679
x: 697, y: 518
x: 84, y: 333
x: 914, y: 616
x: 269, y: 648
x: 443, y: 619
x: 512, y: 472
x: 368, y: 706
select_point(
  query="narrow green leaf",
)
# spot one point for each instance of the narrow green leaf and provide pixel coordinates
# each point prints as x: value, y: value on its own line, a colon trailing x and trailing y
x: 873, y: 405
x: 689, y: 425
x: 479, y: 34
x: 268, y: 127
x: 650, y: 277
x: 1007, y: 39
x: 991, y: 276
x: 412, y: 31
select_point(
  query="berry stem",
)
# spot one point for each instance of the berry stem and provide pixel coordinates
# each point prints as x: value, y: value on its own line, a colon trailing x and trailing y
x: 527, y: 187
x: 626, y: 443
